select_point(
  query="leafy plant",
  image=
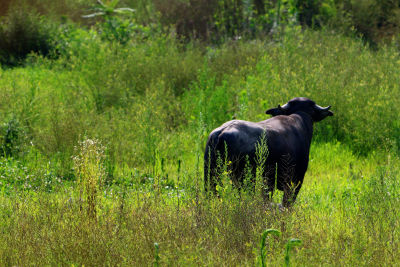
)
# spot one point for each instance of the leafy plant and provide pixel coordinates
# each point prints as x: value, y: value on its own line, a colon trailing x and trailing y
x: 108, y: 9
x: 114, y: 28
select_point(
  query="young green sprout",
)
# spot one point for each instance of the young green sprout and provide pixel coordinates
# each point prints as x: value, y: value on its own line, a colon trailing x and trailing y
x: 289, y: 245
x: 263, y: 239
x: 156, y: 256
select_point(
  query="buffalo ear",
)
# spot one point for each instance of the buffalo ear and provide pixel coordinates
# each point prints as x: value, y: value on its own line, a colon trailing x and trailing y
x: 325, y: 114
x: 275, y: 111
x: 322, y: 113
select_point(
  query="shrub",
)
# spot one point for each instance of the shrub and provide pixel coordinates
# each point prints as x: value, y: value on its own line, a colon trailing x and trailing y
x: 191, y: 18
x: 375, y: 20
x: 215, y: 19
x: 23, y: 32
x: 11, y: 138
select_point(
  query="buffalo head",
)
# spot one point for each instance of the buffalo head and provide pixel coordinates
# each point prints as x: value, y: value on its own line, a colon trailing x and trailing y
x: 302, y: 104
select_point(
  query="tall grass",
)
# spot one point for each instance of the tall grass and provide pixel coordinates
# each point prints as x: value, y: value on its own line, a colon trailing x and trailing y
x: 88, y: 165
x: 340, y: 220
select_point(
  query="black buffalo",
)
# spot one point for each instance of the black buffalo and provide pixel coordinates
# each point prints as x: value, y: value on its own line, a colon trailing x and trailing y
x: 288, y: 137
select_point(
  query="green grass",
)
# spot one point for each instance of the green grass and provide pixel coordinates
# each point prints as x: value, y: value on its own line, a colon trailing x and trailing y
x: 152, y: 103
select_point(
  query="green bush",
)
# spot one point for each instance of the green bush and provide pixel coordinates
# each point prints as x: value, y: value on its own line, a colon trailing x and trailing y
x: 22, y: 32
x: 11, y: 135
x: 216, y: 20
x: 375, y: 20
x: 191, y: 19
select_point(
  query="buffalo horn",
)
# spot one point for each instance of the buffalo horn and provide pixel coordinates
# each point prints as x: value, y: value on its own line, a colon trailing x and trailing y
x: 284, y: 107
x: 323, y: 109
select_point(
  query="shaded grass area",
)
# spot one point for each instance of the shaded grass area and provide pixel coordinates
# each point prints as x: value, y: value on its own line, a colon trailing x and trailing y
x: 341, y: 217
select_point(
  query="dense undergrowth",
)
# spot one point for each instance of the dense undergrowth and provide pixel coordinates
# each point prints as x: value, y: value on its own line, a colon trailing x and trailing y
x: 124, y: 95
x: 102, y: 143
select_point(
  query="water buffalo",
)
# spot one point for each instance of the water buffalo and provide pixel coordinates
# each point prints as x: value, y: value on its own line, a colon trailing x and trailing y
x: 288, y: 137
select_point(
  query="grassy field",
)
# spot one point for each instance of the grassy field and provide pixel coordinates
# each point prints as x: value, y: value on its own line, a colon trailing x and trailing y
x: 346, y: 214
x: 102, y: 152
